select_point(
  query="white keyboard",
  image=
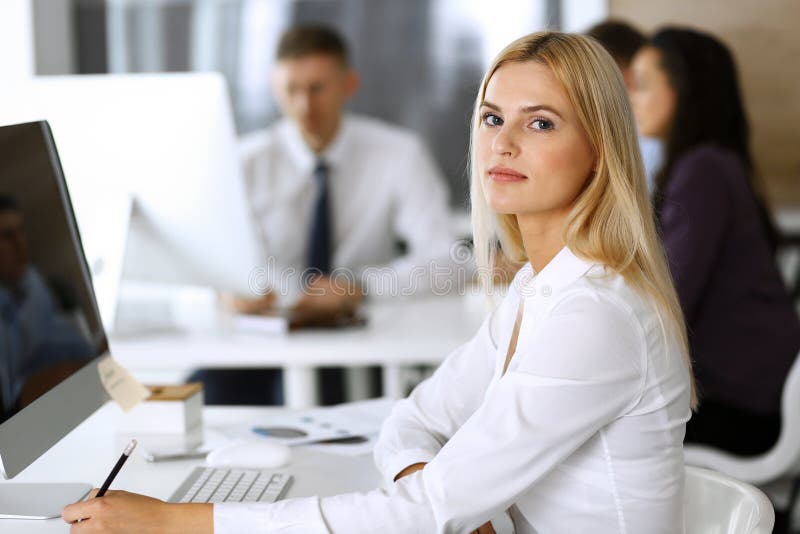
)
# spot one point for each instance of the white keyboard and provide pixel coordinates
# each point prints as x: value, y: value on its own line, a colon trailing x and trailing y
x: 209, y: 484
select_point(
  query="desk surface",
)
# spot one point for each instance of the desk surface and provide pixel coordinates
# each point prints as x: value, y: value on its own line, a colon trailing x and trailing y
x: 89, y: 452
x: 400, y: 331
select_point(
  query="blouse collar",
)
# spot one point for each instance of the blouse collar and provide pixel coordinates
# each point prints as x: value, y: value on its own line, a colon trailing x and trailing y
x: 564, y: 269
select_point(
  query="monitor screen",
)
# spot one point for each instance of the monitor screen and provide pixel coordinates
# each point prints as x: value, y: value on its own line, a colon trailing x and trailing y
x: 49, y: 322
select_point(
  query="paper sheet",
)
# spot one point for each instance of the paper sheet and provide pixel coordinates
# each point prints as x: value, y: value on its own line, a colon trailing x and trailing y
x: 302, y: 427
x: 120, y: 385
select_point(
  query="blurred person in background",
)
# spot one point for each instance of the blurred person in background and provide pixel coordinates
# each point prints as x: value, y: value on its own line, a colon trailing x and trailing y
x: 39, y: 344
x: 743, y: 331
x: 622, y: 41
x: 382, y: 184
x: 333, y: 193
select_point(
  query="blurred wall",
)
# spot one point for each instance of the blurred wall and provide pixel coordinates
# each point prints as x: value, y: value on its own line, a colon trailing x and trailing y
x: 764, y: 38
x: 53, y: 36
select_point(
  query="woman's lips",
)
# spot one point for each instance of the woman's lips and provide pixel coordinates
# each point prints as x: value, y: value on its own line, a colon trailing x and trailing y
x: 504, y: 174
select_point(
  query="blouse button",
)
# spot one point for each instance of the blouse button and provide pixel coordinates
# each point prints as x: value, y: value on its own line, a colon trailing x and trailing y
x: 547, y: 291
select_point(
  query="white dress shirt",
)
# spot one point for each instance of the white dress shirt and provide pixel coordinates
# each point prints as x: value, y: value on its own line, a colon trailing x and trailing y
x: 583, y: 433
x: 384, y: 187
x: 652, y: 157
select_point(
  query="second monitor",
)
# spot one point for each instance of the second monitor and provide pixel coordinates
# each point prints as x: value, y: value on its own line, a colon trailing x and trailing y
x: 162, y: 148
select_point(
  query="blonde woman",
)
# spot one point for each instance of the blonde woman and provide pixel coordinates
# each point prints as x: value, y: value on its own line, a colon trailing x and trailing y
x: 568, y: 407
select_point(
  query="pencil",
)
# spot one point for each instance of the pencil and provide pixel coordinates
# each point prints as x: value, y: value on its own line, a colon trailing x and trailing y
x: 110, y: 478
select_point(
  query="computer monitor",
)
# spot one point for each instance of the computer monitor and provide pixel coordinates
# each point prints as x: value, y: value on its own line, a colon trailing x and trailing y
x: 51, y: 335
x: 161, y: 147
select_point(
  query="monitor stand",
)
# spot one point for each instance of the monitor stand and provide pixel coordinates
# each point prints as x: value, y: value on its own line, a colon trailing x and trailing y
x: 20, y: 500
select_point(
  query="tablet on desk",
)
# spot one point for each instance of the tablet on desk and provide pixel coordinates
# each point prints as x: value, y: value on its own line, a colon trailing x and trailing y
x: 176, y: 452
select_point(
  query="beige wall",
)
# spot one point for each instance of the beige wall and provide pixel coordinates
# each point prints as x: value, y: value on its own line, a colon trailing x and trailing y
x: 765, y: 38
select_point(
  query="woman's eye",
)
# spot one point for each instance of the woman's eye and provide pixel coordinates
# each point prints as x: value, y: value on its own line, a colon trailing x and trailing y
x: 490, y: 119
x: 542, y: 124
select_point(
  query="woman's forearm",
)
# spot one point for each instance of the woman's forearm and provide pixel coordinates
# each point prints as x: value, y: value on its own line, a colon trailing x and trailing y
x: 197, y: 518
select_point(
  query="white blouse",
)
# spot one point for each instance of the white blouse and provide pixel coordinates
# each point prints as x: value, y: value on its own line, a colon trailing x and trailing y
x: 583, y: 433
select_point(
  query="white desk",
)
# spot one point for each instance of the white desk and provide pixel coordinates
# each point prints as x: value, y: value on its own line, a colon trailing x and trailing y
x: 400, y: 332
x: 90, y: 451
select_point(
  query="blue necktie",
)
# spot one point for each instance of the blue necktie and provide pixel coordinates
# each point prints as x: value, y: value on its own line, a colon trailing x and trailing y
x: 319, y: 252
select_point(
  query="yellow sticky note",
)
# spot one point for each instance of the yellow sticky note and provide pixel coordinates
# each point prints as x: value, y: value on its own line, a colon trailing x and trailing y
x: 120, y: 385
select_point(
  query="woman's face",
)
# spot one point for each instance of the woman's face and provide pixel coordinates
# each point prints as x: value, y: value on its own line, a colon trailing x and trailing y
x: 532, y: 154
x: 652, y: 96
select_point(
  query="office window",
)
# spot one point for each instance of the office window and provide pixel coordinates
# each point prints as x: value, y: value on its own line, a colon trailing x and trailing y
x: 420, y: 60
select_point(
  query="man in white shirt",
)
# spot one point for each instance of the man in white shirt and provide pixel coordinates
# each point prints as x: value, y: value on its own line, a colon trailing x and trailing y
x: 336, y: 194
x: 381, y: 183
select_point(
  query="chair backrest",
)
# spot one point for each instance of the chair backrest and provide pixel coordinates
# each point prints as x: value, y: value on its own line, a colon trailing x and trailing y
x: 718, y: 504
x: 781, y: 460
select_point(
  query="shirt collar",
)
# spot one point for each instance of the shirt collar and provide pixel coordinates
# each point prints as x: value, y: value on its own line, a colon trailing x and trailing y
x: 334, y: 154
x: 304, y: 157
x: 564, y: 269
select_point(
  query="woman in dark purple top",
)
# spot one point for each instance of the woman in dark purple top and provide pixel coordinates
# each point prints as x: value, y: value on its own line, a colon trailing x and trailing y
x: 743, y: 331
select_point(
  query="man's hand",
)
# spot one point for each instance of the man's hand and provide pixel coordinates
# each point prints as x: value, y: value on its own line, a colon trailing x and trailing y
x: 120, y: 512
x: 330, y: 295
x: 486, y: 528
x: 249, y: 306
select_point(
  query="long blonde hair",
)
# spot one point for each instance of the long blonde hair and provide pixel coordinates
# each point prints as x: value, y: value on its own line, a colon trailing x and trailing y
x: 611, y: 221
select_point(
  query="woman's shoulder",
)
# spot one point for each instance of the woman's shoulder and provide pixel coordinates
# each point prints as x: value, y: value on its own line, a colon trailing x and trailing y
x: 603, y: 293
x: 593, y: 324
x: 609, y: 302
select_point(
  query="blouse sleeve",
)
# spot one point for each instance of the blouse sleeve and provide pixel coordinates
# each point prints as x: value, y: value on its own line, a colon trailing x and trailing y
x: 565, y: 389
x: 420, y: 425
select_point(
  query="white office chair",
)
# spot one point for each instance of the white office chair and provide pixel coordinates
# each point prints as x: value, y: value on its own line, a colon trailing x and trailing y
x: 780, y: 462
x: 718, y: 504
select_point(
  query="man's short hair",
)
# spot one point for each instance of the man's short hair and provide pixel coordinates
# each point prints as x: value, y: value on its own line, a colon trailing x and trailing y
x: 9, y: 203
x: 302, y: 41
x: 620, y: 39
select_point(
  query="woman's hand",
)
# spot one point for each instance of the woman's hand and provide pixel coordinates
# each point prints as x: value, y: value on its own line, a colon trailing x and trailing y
x: 120, y: 512
x: 486, y: 528
x: 413, y: 468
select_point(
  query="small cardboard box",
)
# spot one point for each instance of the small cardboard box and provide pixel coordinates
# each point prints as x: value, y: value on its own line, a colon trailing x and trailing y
x: 169, y: 409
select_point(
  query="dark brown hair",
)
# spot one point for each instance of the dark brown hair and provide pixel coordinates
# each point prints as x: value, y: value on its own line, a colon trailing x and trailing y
x: 301, y: 41
x: 620, y: 39
x: 709, y: 110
